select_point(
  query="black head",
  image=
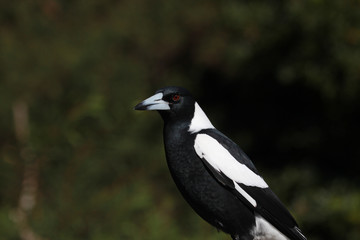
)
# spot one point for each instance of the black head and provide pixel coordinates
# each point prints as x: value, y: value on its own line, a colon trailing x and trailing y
x: 178, y: 109
x: 173, y: 103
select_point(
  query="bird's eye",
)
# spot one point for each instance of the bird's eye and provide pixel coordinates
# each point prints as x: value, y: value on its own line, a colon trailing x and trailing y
x: 175, y: 97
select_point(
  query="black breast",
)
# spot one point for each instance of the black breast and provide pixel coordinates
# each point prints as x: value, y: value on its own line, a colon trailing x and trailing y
x: 208, y: 197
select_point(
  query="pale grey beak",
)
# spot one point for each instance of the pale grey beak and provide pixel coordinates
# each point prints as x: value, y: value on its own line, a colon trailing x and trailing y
x: 154, y: 102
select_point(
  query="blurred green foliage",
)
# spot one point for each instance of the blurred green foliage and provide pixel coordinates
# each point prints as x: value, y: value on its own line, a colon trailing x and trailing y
x: 281, y: 78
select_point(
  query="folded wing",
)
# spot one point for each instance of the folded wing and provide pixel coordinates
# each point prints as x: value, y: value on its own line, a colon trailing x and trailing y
x: 231, y: 167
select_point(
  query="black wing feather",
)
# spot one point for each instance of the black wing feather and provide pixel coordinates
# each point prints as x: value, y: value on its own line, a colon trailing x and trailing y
x: 227, y: 182
x: 220, y: 176
x: 270, y: 208
x: 268, y: 204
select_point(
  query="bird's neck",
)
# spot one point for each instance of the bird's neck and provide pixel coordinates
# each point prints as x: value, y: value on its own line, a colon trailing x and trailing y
x: 193, y: 121
x: 176, y: 128
x: 178, y: 142
x: 176, y: 135
x: 199, y: 120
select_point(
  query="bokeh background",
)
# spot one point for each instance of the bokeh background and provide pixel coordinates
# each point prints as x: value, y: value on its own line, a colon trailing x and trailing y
x: 281, y: 78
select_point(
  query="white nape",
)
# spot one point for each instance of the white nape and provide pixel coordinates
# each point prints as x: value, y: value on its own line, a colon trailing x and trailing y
x: 199, y: 121
x: 221, y: 159
x: 263, y: 230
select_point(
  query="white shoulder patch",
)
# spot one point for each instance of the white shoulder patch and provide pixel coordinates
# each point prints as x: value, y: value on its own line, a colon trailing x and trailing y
x: 263, y: 230
x: 199, y: 121
x: 221, y: 159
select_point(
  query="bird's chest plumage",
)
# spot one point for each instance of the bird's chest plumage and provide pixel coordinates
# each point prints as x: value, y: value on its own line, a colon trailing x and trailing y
x: 185, y: 167
x: 203, y: 192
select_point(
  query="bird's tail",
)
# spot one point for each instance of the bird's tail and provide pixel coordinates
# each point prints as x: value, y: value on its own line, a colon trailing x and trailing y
x: 298, y: 232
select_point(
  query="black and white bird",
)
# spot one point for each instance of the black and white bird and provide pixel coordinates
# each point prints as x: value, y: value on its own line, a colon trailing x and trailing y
x: 214, y: 175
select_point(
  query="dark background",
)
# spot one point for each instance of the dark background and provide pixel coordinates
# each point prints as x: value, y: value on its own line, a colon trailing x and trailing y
x: 281, y: 78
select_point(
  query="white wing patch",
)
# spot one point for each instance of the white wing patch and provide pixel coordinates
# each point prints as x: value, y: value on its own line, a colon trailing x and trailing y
x: 199, y: 121
x: 221, y: 159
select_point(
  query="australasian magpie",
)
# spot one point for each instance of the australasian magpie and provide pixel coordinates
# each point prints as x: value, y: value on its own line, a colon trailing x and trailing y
x: 214, y: 175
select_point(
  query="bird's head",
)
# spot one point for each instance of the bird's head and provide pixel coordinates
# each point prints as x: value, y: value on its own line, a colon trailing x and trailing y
x: 171, y: 102
x: 176, y: 104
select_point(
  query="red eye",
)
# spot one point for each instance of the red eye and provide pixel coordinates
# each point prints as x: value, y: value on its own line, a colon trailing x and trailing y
x: 176, y: 97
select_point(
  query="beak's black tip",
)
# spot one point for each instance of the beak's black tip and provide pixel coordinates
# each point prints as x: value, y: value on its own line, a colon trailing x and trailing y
x: 140, y: 106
